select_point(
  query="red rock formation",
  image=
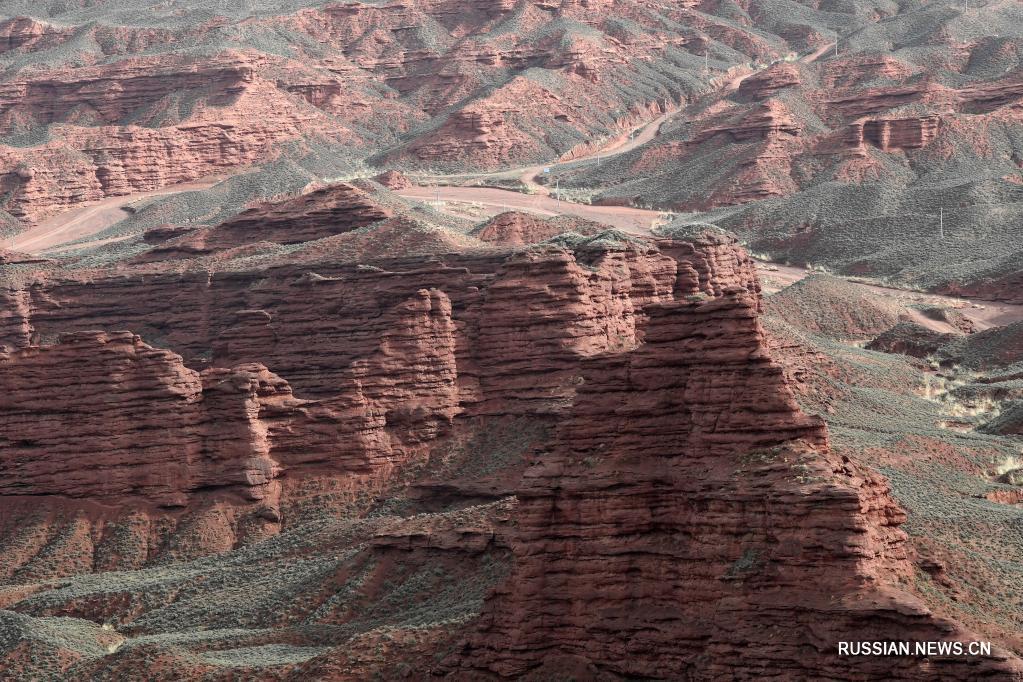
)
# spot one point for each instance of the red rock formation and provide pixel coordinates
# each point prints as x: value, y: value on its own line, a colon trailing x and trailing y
x: 857, y: 69
x: 769, y: 81
x: 109, y: 93
x: 102, y: 415
x: 896, y: 133
x: 515, y: 228
x: 709, y: 262
x: 855, y: 103
x: 324, y: 212
x: 477, y: 136
x: 163, y: 233
x: 389, y: 367
x: 766, y: 121
x: 28, y: 33
x: 15, y: 310
x: 691, y: 522
x: 278, y: 316
x: 548, y: 309
x: 393, y: 179
x: 989, y: 96
x: 87, y: 157
x: 321, y: 213
x: 412, y: 376
x: 150, y: 427
x: 17, y: 258
x: 1006, y: 287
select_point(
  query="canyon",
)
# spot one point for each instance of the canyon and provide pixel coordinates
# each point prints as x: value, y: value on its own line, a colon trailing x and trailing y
x: 530, y: 339
x: 666, y: 461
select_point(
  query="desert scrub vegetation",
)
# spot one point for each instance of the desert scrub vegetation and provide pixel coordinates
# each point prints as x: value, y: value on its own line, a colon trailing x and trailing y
x: 265, y: 656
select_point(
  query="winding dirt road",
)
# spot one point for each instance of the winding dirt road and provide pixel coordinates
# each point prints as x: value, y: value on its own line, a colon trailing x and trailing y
x: 984, y: 314
x: 68, y: 227
x: 56, y: 232
x: 635, y: 220
x: 88, y: 220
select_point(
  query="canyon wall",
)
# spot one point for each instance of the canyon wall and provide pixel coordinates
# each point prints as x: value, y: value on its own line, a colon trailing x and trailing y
x: 690, y: 522
x: 686, y: 519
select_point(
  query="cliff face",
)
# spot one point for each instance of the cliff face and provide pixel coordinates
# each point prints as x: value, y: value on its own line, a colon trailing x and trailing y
x: 98, y: 437
x: 28, y: 33
x: 384, y: 357
x: 144, y: 123
x: 105, y: 95
x: 685, y: 519
x: 132, y: 422
x: 373, y: 368
x: 900, y: 133
x: 709, y: 263
x: 691, y: 522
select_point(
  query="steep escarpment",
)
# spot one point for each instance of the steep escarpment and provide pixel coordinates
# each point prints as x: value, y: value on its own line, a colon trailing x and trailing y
x: 242, y: 395
x: 103, y: 416
x: 691, y: 521
x: 581, y: 297
x: 710, y: 261
x: 139, y: 127
x: 367, y: 365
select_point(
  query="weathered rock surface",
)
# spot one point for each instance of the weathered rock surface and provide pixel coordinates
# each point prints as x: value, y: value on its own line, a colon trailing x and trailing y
x: 92, y: 151
x: 899, y: 133
x: 400, y: 360
x: 689, y: 507
x: 26, y: 33
x: 772, y: 79
x: 324, y: 212
x: 685, y: 504
x: 393, y: 179
x: 321, y: 213
x: 515, y: 228
x: 224, y: 426
x: 710, y: 261
x: 103, y: 415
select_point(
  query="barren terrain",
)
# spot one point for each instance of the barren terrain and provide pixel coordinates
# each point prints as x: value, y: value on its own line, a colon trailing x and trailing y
x: 514, y: 339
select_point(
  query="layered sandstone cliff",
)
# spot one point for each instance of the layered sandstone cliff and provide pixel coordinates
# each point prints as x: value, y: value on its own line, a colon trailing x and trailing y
x: 691, y: 522
x: 687, y: 519
x: 105, y: 416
